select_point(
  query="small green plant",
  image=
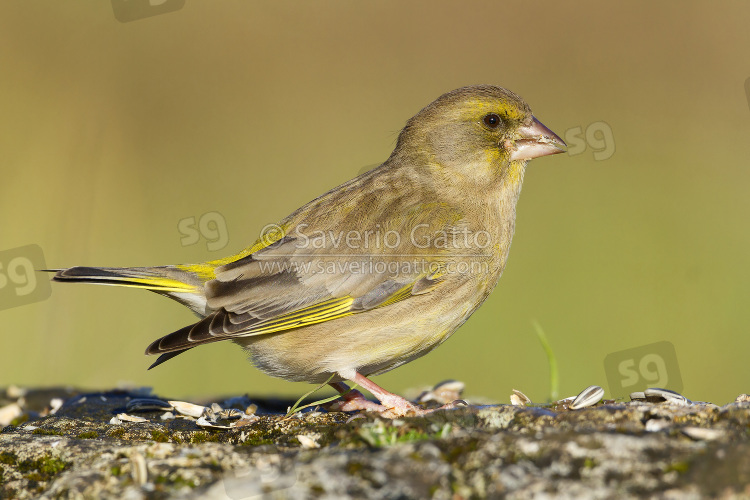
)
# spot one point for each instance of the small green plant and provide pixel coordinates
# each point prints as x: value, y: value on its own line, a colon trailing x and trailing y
x: 380, y: 434
x: 8, y: 458
x: 159, y: 436
x: 42, y: 469
x: 46, y: 432
x: 297, y: 408
x: 554, y: 380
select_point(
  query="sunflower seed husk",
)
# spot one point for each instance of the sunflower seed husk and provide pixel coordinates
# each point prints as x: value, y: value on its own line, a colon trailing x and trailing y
x: 251, y: 410
x: 657, y: 425
x: 229, y: 414
x: 139, y: 471
x: 245, y: 420
x: 517, y: 398
x: 658, y: 395
x: 209, y: 414
x: 167, y: 416
x: 588, y: 397
x: 308, y: 441
x: 54, y: 405
x: 131, y: 418
x: 742, y: 398
x: 10, y: 412
x: 703, y: 434
x: 187, y: 409
x: 445, y: 392
x: 637, y: 396
x: 147, y: 404
x: 202, y: 422
x: 15, y: 392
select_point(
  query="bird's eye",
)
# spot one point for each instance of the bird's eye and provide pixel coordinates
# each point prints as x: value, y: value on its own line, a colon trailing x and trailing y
x: 491, y: 120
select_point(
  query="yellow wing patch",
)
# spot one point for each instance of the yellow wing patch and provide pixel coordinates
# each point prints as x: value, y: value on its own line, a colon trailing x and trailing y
x: 205, y: 271
x: 317, y: 313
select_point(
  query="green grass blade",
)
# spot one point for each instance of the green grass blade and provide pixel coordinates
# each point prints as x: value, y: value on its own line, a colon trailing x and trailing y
x: 554, y: 381
x: 297, y: 408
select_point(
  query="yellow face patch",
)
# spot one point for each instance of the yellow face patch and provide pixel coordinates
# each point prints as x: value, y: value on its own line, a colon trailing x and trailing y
x: 477, y: 108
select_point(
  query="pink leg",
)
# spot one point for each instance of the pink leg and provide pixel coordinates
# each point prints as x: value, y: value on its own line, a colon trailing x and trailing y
x: 392, y: 405
x: 352, y: 400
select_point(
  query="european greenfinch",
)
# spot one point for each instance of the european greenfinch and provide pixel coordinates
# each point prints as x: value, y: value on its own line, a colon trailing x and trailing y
x: 377, y: 271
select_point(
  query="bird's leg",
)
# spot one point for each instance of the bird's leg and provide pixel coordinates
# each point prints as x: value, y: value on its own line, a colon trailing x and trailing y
x: 352, y: 400
x: 392, y: 405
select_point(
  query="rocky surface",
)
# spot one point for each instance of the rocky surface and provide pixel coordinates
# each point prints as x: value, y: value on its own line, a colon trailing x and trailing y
x: 60, y: 443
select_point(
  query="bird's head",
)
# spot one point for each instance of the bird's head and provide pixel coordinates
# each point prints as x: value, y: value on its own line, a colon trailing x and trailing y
x: 478, y: 132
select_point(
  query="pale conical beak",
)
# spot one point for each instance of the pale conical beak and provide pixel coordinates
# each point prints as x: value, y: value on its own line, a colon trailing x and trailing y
x: 536, y: 140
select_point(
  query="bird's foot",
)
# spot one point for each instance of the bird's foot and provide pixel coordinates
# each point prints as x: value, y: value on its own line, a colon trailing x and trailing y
x: 401, y: 407
x: 352, y: 400
x: 391, y: 405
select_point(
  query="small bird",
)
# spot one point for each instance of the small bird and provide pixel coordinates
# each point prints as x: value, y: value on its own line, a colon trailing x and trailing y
x: 377, y: 271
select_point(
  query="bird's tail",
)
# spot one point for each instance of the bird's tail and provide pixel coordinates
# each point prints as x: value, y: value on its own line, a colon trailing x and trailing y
x: 175, y: 282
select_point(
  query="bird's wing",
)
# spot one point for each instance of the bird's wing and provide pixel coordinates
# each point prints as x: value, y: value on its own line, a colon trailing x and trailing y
x: 313, y: 275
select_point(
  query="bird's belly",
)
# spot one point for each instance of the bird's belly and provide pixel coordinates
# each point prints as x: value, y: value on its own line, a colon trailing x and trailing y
x: 372, y: 342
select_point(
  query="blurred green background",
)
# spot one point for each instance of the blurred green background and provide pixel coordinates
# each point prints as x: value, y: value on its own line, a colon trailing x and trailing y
x: 111, y: 133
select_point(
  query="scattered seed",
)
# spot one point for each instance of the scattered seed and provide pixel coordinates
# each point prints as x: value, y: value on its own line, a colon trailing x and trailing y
x: 131, y: 418
x: 202, y: 422
x: 139, y: 470
x: 209, y: 414
x: 658, y: 395
x: 588, y: 397
x: 55, y: 404
x: 8, y: 413
x: 229, y: 414
x: 656, y: 425
x: 443, y: 393
x: 15, y: 392
x: 148, y: 404
x: 188, y: 409
x: 517, y: 398
x: 245, y: 420
x: 308, y: 441
x: 637, y: 396
x: 703, y: 434
x: 354, y: 417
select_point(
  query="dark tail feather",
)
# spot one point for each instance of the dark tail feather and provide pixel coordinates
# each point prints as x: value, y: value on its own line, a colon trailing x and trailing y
x: 180, y: 341
x: 167, y: 356
x: 158, y: 279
